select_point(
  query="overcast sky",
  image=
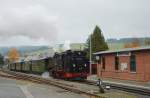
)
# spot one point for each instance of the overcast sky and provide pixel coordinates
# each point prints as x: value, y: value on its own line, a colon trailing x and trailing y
x: 43, y: 22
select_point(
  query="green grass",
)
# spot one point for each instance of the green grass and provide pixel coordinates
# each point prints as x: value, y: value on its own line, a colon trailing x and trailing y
x: 115, y: 46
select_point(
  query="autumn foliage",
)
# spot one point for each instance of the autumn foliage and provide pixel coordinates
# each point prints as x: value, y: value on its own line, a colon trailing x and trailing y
x: 147, y: 42
x: 127, y: 45
x: 135, y: 43
x: 13, y: 55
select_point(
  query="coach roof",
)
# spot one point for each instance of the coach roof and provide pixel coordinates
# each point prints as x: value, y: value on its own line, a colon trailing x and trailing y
x: 122, y: 50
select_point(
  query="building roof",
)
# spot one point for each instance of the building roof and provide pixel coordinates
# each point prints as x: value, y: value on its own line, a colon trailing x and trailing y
x: 122, y: 50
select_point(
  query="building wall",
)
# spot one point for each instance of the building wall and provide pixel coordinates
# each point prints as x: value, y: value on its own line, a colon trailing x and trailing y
x: 142, y: 67
x: 146, y: 66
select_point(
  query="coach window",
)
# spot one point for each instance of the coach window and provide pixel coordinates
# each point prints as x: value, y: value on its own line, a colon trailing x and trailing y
x: 103, y: 62
x: 116, y: 63
x: 133, y: 63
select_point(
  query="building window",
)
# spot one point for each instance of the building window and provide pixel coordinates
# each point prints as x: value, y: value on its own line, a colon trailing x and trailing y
x: 103, y: 62
x: 116, y: 63
x: 132, y: 63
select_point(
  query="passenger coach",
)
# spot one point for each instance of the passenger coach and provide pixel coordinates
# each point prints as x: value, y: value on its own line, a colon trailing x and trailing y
x: 33, y: 66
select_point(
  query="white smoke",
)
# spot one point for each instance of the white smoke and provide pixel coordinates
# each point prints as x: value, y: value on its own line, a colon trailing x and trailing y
x: 67, y: 45
x: 45, y: 75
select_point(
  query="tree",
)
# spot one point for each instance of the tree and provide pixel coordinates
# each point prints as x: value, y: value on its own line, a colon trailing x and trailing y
x: 127, y: 45
x: 147, y: 42
x: 134, y: 44
x: 1, y: 60
x: 13, y: 55
x: 97, y: 40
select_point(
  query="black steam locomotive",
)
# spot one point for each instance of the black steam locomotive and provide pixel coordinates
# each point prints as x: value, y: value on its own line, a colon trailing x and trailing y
x: 70, y: 65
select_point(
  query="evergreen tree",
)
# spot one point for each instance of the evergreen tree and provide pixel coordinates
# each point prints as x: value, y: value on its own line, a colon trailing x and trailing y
x: 98, y: 42
x: 1, y: 60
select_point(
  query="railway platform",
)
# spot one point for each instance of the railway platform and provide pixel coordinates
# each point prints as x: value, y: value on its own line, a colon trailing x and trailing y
x: 140, y: 88
x: 144, y: 85
x: 10, y: 88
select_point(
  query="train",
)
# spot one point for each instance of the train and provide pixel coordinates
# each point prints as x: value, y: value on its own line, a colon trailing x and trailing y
x: 37, y: 66
x: 69, y: 65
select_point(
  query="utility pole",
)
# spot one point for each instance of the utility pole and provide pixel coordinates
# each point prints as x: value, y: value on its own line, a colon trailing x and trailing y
x: 91, y: 54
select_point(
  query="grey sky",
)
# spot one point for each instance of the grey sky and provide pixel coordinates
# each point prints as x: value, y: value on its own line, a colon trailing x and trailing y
x: 42, y: 22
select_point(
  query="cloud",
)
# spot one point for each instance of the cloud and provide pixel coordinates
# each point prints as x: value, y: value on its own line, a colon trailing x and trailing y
x: 33, y: 21
x: 23, y: 41
x: 72, y: 20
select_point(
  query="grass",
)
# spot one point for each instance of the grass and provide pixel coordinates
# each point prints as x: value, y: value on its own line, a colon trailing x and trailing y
x: 115, y: 46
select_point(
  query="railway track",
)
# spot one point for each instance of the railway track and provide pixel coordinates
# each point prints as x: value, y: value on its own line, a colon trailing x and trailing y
x: 40, y: 80
x: 127, y: 88
x: 71, y: 87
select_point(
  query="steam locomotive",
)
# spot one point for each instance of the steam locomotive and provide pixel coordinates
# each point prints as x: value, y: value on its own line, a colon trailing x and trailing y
x: 65, y: 65
x: 70, y: 65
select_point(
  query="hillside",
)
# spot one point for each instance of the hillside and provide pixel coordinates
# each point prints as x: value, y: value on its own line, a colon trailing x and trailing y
x: 23, y: 49
x: 115, y: 44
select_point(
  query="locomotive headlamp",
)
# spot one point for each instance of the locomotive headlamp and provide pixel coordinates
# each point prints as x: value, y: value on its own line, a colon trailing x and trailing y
x: 74, y: 65
x: 79, y: 53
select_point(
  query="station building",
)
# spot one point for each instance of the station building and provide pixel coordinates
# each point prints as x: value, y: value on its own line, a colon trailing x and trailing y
x: 127, y: 64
